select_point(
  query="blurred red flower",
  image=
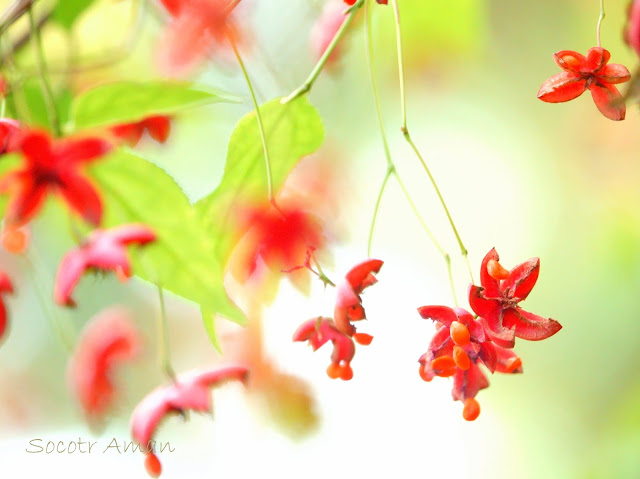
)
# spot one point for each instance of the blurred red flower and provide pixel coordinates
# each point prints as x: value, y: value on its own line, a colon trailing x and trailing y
x: 196, y: 27
x: 103, y: 250
x: 108, y: 339
x: 587, y: 73
x: 53, y: 166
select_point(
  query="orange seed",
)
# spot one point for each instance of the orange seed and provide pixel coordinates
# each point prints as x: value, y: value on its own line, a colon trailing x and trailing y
x: 459, y: 333
x: 471, y: 409
x: 496, y: 271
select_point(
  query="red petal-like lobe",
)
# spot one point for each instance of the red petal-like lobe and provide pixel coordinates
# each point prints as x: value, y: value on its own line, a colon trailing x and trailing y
x: 5, y: 284
x: 597, y: 58
x: 359, y: 277
x: 82, y: 197
x: 69, y: 273
x: 138, y: 233
x: 489, y: 309
x: 9, y: 135
x: 608, y: 100
x: 505, y: 361
x: 530, y: 326
x: 439, y: 341
x: 73, y: 151
x: 159, y: 127
x: 444, y: 314
x: 3, y: 319
x: 488, y: 355
x: 190, y: 392
x: 36, y: 147
x: 464, y: 316
x: 467, y: 383
x: 27, y: 197
x: 570, y: 61
x: 562, y: 87
x: 130, y: 133
x: 490, y: 285
x: 313, y: 330
x: 522, y: 279
x: 476, y: 329
x: 614, y: 73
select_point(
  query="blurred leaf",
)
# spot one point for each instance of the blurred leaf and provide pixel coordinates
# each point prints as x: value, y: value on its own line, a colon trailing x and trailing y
x: 7, y: 163
x: 433, y: 29
x: 127, y: 101
x: 293, y: 130
x: 38, y: 108
x: 181, y: 260
x: 208, y: 319
x: 67, y: 11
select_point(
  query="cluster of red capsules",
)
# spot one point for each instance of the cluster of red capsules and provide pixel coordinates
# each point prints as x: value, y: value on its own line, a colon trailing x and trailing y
x: 463, y: 342
x: 339, y: 330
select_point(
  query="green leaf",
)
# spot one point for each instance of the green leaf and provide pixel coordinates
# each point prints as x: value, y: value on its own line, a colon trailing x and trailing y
x: 293, y: 130
x: 127, y: 101
x: 181, y: 260
x: 208, y: 319
x: 67, y: 11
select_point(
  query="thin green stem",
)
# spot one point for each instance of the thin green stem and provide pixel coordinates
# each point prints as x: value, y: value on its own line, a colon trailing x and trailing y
x: 263, y: 137
x: 308, y: 83
x: 405, y: 132
x: 391, y: 169
x: 165, y: 361
x: 3, y: 107
x: 42, y: 72
x: 463, y: 249
x: 403, y: 95
x: 377, y: 208
x: 600, y: 18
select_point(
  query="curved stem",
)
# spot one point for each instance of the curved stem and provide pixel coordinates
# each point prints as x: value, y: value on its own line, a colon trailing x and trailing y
x: 263, y: 136
x: 407, y: 137
x: 308, y: 83
x: 165, y: 361
x: 376, y: 208
x: 42, y: 72
x: 600, y: 18
x: 391, y: 169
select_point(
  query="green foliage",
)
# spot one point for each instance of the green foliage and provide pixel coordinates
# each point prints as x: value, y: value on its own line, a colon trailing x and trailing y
x: 127, y: 101
x: 37, y: 106
x: 7, y: 163
x: 67, y: 11
x: 181, y: 260
x: 293, y: 130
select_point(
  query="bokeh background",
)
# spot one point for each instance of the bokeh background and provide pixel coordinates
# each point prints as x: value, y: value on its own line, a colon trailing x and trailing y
x: 532, y: 179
